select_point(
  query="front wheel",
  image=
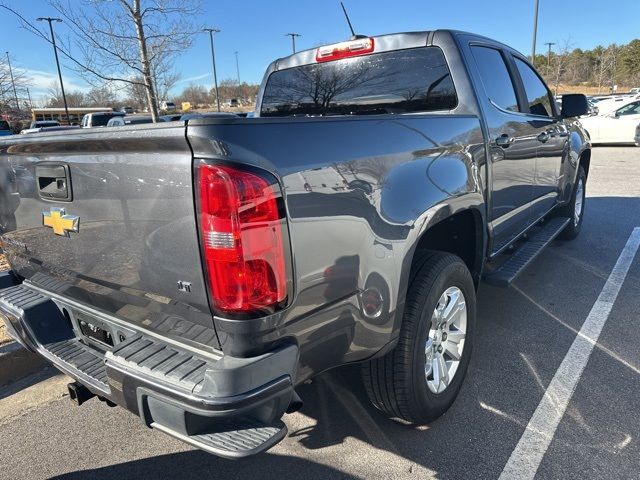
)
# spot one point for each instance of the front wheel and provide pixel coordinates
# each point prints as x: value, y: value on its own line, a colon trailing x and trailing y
x: 419, y: 380
x: 575, y: 208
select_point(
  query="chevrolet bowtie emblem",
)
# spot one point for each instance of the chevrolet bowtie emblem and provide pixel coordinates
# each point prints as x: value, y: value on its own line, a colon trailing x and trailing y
x: 61, y: 223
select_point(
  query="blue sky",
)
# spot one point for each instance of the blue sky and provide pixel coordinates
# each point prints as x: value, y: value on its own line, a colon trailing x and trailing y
x: 256, y: 29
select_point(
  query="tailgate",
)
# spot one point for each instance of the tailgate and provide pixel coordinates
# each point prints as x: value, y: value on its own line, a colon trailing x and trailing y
x: 106, y: 218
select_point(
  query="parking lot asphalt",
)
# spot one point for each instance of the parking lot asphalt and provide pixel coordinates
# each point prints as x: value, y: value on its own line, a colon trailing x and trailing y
x: 523, y: 336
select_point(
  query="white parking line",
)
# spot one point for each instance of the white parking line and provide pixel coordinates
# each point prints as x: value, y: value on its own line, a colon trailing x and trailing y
x: 526, y: 457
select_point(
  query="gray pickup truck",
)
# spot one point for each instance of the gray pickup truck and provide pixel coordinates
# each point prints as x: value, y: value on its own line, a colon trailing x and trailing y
x: 196, y: 273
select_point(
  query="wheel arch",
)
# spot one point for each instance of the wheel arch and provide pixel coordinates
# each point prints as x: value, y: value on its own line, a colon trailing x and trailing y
x: 467, y: 222
x: 585, y: 161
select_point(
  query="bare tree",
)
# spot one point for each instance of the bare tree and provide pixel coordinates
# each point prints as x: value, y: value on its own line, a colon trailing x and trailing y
x: 561, y: 61
x: 195, y: 94
x: 20, y: 80
x: 101, y: 97
x: 605, y: 64
x: 74, y: 98
x: 129, y: 42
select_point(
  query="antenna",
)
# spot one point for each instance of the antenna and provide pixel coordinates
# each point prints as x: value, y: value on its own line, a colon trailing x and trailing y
x: 348, y: 21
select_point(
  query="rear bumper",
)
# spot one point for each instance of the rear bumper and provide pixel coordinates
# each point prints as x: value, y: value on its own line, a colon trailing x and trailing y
x: 227, y: 406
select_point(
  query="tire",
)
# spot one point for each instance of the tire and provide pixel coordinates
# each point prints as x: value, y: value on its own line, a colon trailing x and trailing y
x: 570, y: 210
x: 398, y: 384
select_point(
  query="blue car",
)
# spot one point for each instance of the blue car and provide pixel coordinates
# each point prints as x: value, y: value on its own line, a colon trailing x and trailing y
x: 5, y: 128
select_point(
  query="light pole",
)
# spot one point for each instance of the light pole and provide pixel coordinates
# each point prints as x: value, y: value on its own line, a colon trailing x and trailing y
x: 55, y: 51
x: 15, y: 94
x: 535, y: 32
x: 212, y: 31
x: 549, y: 44
x: 237, y: 67
x: 293, y: 39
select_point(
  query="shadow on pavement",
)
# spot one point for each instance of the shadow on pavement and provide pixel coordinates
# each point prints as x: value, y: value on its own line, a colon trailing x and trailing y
x: 26, y: 382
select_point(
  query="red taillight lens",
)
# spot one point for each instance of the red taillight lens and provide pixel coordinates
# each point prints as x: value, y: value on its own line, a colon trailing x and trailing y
x: 241, y: 232
x: 352, y: 48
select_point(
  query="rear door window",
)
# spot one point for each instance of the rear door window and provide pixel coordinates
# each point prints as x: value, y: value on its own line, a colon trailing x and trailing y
x: 495, y: 77
x: 538, y: 94
x: 400, y: 81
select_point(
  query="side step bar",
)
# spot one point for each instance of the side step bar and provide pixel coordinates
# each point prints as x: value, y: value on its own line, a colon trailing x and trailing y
x: 236, y: 439
x: 506, y: 273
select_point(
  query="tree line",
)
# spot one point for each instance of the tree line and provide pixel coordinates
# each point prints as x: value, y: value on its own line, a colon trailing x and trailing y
x: 602, y: 67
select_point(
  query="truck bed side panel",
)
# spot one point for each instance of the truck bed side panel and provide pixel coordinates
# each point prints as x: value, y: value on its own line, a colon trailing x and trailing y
x: 359, y: 192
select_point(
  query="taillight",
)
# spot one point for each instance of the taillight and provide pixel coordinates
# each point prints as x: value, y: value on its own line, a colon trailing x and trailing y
x: 242, y: 233
x: 352, y: 48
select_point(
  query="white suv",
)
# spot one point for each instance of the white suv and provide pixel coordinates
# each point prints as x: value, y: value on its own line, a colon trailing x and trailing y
x: 167, y: 106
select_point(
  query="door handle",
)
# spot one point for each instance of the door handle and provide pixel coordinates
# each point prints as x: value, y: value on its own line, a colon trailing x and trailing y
x: 544, y: 137
x: 504, y: 140
x: 53, y: 182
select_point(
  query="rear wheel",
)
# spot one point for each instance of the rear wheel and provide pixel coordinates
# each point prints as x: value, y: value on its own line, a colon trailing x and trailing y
x: 575, y: 208
x: 419, y: 380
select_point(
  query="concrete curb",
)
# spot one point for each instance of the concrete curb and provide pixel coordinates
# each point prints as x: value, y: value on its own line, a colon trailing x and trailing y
x: 17, y: 362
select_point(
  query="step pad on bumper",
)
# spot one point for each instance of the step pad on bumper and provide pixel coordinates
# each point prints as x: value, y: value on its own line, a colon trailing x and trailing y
x: 518, y: 261
x: 236, y: 439
x: 178, y: 367
x: 81, y: 357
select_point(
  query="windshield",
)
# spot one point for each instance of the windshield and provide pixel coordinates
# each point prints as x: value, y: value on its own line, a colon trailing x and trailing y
x: 401, y: 81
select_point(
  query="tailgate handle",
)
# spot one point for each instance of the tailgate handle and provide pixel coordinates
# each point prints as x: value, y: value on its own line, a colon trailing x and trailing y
x: 54, y: 182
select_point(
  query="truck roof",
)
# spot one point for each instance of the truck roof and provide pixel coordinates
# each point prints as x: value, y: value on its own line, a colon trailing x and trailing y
x: 385, y: 42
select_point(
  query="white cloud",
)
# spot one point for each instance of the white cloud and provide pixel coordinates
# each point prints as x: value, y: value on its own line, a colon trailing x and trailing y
x: 194, y: 78
x: 40, y: 82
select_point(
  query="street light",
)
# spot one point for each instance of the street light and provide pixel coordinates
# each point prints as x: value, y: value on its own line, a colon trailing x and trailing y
x: 15, y: 94
x: 55, y: 51
x: 293, y: 39
x: 549, y: 44
x: 535, y: 32
x: 237, y: 67
x: 212, y: 31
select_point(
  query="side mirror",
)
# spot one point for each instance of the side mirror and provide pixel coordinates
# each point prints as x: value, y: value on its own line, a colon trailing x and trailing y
x: 574, y: 105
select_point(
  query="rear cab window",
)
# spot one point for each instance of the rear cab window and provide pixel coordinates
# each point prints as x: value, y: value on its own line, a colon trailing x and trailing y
x: 396, y: 82
x: 4, y: 125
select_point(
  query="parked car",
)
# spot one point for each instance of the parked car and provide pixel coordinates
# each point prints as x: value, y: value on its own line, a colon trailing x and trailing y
x: 44, y: 123
x: 127, y: 110
x: 5, y: 128
x: 618, y: 126
x: 122, y: 121
x: 156, y: 267
x: 168, y: 106
x: 99, y: 119
x: 233, y: 103
x: 611, y: 104
x: 637, y: 137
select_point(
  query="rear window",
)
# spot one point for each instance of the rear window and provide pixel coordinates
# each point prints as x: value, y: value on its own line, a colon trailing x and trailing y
x: 100, y: 120
x: 401, y: 81
x: 4, y: 125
